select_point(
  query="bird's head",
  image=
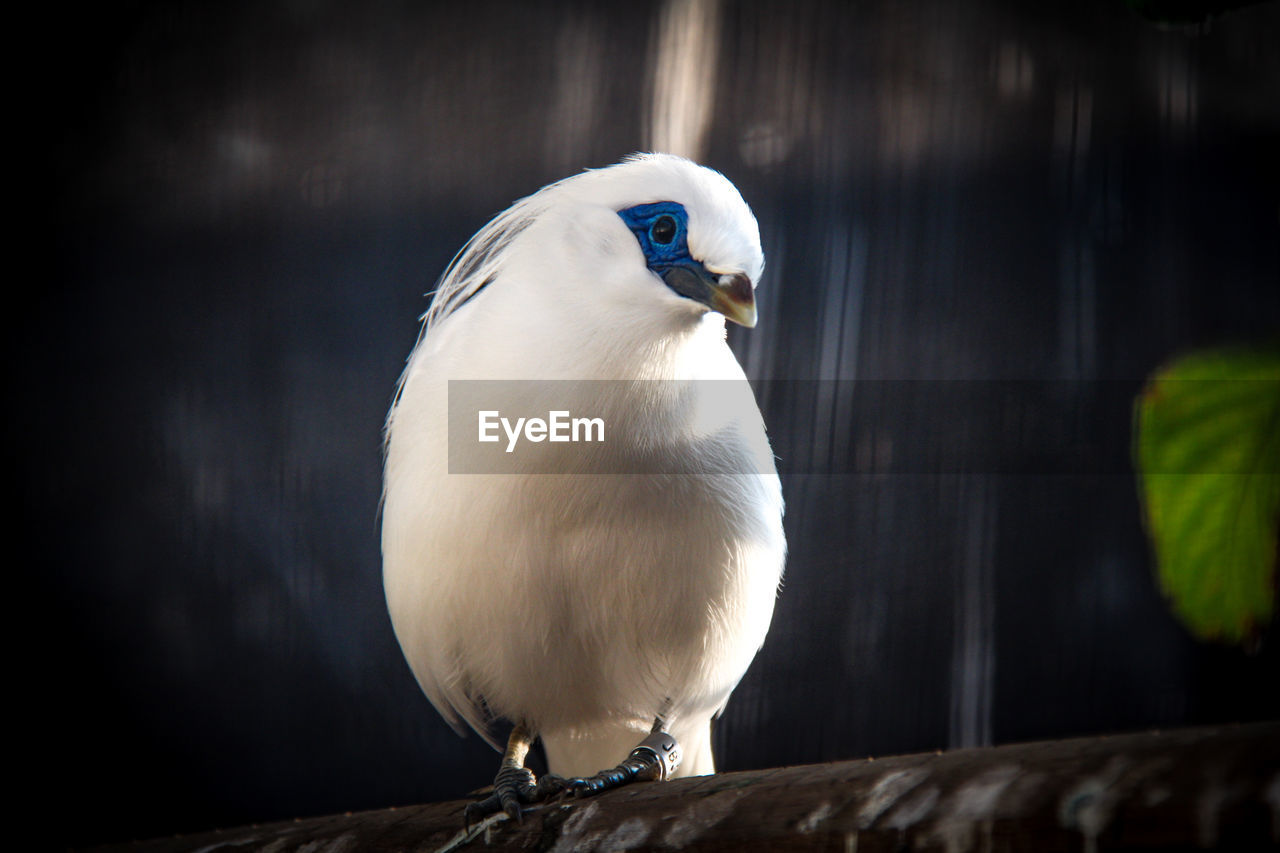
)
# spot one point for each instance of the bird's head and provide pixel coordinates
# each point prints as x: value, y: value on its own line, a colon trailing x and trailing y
x: 658, y: 235
x: 636, y: 251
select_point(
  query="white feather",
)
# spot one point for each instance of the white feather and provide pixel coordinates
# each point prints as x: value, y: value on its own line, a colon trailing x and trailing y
x: 584, y: 605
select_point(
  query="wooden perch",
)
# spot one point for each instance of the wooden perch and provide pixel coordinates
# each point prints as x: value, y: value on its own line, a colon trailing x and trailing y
x: 1216, y: 788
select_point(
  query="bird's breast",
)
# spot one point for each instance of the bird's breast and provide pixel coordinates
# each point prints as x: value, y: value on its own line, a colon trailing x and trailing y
x: 621, y: 573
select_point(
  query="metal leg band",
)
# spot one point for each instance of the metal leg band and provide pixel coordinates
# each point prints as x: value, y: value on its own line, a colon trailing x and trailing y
x: 662, y: 747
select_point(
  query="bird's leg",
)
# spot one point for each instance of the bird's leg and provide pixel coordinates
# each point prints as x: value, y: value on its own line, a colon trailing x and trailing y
x: 515, y: 783
x: 656, y: 757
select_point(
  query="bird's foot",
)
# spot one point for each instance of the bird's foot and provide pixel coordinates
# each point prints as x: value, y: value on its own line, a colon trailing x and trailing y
x: 513, y: 788
x: 656, y: 758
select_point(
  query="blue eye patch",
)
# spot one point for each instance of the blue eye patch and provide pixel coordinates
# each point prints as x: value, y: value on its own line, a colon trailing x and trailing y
x: 662, y: 229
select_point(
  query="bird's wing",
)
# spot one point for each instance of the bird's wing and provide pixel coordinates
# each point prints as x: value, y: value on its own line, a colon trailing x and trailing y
x: 461, y: 709
x: 474, y: 267
x: 479, y: 261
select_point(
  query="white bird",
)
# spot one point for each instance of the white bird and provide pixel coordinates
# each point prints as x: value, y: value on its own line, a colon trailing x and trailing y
x: 590, y: 594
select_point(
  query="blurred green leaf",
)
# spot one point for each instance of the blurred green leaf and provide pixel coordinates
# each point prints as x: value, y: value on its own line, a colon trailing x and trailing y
x: 1207, y: 450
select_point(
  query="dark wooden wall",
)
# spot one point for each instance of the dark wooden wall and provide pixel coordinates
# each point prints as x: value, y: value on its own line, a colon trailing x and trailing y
x: 249, y: 201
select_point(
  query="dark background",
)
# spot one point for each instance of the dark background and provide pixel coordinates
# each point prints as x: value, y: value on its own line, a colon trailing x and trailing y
x: 249, y: 202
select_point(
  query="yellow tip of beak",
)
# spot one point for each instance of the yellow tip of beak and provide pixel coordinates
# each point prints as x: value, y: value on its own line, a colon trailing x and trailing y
x: 734, y: 297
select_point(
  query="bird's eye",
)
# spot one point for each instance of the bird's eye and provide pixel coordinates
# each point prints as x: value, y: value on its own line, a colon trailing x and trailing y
x: 663, y: 230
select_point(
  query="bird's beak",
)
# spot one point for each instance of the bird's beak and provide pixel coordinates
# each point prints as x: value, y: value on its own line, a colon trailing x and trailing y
x: 730, y: 294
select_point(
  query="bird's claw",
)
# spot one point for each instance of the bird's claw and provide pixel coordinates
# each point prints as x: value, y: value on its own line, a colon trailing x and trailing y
x: 513, y: 788
x: 548, y: 786
x: 656, y: 758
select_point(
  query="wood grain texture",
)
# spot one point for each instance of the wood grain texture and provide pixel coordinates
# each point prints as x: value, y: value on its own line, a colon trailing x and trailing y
x: 1193, y: 789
